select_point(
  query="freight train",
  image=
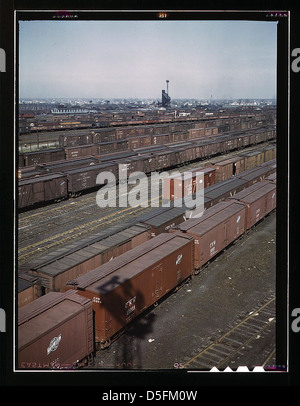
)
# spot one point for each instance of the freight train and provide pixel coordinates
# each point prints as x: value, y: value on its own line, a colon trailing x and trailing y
x: 51, y: 181
x: 28, y: 124
x: 81, y: 143
x: 93, y: 309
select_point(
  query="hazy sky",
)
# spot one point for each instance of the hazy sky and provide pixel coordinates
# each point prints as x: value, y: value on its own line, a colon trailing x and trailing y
x: 123, y: 59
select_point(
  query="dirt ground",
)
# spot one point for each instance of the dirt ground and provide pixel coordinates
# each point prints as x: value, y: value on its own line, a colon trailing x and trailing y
x: 226, y: 291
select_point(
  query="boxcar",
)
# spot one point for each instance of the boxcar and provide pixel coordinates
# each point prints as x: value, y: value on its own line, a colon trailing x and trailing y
x: 160, y: 129
x: 215, y: 230
x: 112, y: 146
x: 128, y: 285
x: 220, y: 191
x: 85, y: 178
x: 195, y: 133
x: 256, y: 174
x: 160, y: 139
x: 178, y: 136
x: 271, y: 178
x: 269, y: 152
x: 68, y: 164
x: 44, y: 188
x: 81, y: 151
x: 70, y: 262
x: 186, y: 184
x: 228, y: 167
x: 29, y: 172
x: 165, y: 159
x: 55, y: 331
x: 104, y: 135
x: 71, y: 140
x: 162, y: 219
x: 253, y: 158
x: 42, y: 156
x: 29, y: 289
x: 260, y: 200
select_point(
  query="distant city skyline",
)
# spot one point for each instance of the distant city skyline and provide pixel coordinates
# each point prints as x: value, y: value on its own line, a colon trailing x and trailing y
x: 133, y: 59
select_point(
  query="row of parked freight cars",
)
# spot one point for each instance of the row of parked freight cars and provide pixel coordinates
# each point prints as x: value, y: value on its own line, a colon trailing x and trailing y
x: 28, y: 124
x: 51, y: 270
x: 76, y: 145
x: 61, y: 179
x: 63, y: 329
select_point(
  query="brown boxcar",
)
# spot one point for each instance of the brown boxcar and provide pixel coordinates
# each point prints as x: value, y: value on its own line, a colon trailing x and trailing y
x: 81, y: 151
x: 104, y: 135
x: 260, y: 200
x: 42, y: 189
x: 221, y: 190
x: 215, y: 230
x: 178, y: 136
x: 256, y: 174
x: 29, y: 289
x: 69, y: 140
x: 189, y: 183
x: 56, y: 268
x: 85, y: 178
x: 211, y: 211
x: 29, y: 172
x: 226, y: 168
x: 163, y: 219
x: 196, y: 133
x: 271, y: 178
x: 160, y: 139
x: 55, y: 331
x: 43, y: 156
x: 67, y: 164
x: 128, y: 285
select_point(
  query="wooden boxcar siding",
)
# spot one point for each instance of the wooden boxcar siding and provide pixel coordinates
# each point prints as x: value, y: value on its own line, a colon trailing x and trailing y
x: 66, y: 338
x: 134, y: 283
x: 260, y: 200
x: 56, y: 272
x: 213, y: 234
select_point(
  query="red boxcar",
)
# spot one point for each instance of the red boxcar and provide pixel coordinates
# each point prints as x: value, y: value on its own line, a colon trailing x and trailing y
x: 55, y: 331
x: 128, y: 285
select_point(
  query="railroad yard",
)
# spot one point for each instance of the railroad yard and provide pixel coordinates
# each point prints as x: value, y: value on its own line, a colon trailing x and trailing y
x: 150, y: 287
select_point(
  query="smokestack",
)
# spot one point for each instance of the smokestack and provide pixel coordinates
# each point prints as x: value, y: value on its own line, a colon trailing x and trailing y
x: 167, y: 86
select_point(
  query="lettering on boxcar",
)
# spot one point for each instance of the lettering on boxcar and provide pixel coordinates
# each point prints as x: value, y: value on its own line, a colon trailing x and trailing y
x: 212, y: 248
x: 179, y: 258
x: 54, y: 343
x: 130, y: 305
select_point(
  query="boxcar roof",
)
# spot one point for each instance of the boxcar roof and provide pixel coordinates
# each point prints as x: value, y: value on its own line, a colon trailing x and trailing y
x: 207, y: 213
x: 133, y: 268
x: 211, y: 222
x: 140, y: 256
x: 46, y: 313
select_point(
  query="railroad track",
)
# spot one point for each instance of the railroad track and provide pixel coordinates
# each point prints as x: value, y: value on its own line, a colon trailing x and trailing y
x: 228, y: 349
x: 26, y: 252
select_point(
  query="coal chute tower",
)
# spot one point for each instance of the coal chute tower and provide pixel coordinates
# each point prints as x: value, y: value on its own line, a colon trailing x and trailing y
x: 165, y: 98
